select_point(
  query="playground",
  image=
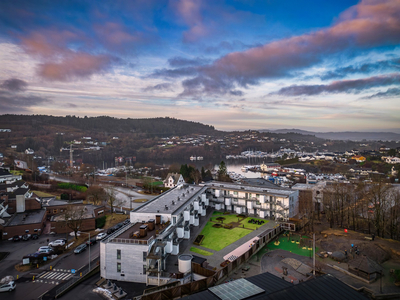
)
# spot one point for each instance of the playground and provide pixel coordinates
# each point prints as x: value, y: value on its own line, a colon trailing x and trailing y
x: 223, y: 229
x: 297, y: 244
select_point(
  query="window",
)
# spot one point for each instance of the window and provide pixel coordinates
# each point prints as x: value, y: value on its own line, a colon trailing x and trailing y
x: 258, y: 202
x: 54, y: 211
x: 257, y: 196
x: 235, y: 193
x: 118, y: 254
x: 119, y: 267
x: 144, y: 256
x: 144, y: 269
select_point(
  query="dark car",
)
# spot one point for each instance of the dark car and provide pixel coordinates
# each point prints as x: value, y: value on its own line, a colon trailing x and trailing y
x: 80, y: 248
x: 35, y: 236
x: 110, y: 230
x: 127, y: 221
x: 91, y: 242
x: 16, y: 238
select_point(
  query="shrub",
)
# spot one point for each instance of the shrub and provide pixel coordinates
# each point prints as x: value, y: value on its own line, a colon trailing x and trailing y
x: 71, y: 186
x: 100, y: 222
x: 64, y: 196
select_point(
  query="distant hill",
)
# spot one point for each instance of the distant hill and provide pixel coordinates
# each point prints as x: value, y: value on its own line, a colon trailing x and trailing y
x: 151, y: 126
x: 345, y: 135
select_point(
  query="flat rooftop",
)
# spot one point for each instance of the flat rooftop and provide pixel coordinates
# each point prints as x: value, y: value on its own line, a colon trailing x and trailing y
x: 127, y: 234
x: 28, y: 217
x: 278, y: 191
x: 174, y: 199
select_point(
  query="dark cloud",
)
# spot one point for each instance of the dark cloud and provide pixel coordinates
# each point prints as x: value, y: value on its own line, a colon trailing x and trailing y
x: 380, y: 66
x: 14, y: 85
x: 175, y: 73
x: 159, y: 87
x: 393, y: 92
x: 16, y: 103
x: 236, y: 93
x: 345, y: 86
x: 177, y: 62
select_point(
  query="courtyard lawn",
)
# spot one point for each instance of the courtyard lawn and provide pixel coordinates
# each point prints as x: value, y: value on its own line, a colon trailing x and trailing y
x: 287, y: 245
x: 218, y: 238
x: 200, y: 251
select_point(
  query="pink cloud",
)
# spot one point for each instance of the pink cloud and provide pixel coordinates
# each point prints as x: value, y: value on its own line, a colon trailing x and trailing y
x: 59, y: 62
x: 114, y: 35
x: 367, y: 24
x: 190, y: 12
x: 75, y: 65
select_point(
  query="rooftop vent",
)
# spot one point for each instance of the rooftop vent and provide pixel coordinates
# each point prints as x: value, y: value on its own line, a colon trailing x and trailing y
x: 179, y: 199
x: 166, y: 207
x: 173, y: 202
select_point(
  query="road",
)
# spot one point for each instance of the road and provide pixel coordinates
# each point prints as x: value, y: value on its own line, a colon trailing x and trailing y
x: 27, y: 288
x: 126, y: 195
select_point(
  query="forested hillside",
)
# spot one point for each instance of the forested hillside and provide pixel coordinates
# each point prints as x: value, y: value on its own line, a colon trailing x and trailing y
x: 152, y: 126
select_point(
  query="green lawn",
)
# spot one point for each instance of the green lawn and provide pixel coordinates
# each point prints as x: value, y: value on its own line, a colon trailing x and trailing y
x: 200, y: 251
x: 218, y: 238
x: 284, y: 244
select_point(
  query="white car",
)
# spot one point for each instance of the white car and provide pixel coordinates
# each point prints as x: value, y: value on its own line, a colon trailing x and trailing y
x: 57, y: 243
x: 7, y: 287
x: 44, y: 248
x: 101, y: 236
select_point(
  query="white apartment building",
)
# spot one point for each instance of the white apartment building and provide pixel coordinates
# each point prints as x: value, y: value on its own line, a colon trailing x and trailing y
x: 272, y: 202
x: 138, y: 252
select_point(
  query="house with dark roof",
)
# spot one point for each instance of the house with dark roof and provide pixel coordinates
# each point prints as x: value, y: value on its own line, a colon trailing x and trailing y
x: 173, y: 179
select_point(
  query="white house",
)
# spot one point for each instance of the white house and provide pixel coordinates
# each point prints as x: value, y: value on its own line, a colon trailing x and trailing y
x: 173, y: 179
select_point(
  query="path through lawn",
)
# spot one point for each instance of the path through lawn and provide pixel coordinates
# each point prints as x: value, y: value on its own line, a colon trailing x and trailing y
x: 218, y: 238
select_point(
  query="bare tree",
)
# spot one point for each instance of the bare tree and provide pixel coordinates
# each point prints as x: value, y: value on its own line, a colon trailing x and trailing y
x: 112, y: 200
x: 73, y: 216
x: 96, y: 194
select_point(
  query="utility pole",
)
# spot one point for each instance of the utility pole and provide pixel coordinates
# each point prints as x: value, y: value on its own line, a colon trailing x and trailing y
x: 314, y: 254
x: 71, y: 160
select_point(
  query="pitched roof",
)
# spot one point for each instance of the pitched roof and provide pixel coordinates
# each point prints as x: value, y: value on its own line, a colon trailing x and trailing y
x: 365, y: 264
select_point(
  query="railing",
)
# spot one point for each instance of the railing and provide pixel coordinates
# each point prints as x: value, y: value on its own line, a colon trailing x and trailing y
x: 78, y: 277
x: 132, y: 241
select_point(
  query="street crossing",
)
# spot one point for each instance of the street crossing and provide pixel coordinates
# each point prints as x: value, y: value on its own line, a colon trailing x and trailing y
x: 54, y: 277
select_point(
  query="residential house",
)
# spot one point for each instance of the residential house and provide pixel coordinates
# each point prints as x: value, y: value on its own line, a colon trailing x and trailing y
x: 173, y: 179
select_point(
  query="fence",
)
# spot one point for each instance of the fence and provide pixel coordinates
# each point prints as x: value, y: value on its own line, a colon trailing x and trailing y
x: 200, y: 285
x: 73, y: 280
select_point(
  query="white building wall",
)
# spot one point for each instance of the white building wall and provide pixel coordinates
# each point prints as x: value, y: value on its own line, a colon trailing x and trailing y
x: 131, y: 262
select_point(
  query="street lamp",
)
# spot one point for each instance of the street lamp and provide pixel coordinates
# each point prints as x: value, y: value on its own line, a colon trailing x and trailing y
x: 89, y: 248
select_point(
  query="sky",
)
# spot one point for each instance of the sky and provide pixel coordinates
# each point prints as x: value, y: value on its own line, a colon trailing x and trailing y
x: 236, y: 65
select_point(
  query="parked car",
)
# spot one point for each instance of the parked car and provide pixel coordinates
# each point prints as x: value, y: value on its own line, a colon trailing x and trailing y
x: 110, y: 230
x: 16, y: 238
x: 127, y: 221
x: 91, y: 242
x: 80, y: 248
x: 57, y: 243
x: 35, y: 236
x: 7, y: 287
x: 44, y: 248
x: 26, y: 237
x: 48, y: 251
x: 101, y: 236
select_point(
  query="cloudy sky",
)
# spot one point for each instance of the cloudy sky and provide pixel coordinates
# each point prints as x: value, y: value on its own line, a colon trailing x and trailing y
x: 240, y: 64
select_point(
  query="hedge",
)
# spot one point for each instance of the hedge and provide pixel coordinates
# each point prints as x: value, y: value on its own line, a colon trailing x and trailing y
x: 100, y: 222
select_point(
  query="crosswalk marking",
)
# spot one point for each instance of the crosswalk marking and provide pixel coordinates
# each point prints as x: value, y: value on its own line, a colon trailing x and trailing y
x: 53, y: 277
